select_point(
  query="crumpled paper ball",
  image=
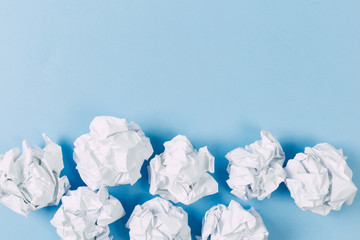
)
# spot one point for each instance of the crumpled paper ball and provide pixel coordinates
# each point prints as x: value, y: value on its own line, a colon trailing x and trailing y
x: 320, y: 180
x: 180, y: 173
x: 112, y: 153
x: 85, y: 214
x: 31, y: 180
x: 232, y: 223
x: 158, y: 219
x: 256, y: 170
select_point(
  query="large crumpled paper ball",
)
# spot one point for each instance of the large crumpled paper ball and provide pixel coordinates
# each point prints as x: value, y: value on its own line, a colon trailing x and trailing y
x: 112, y: 153
x: 180, y: 173
x: 233, y: 223
x: 320, y: 180
x: 158, y: 219
x: 31, y: 180
x: 85, y: 214
x: 256, y: 170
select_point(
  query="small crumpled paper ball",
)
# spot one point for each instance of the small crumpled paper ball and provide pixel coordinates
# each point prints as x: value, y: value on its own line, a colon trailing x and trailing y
x: 31, y: 180
x: 232, y: 223
x: 85, y: 214
x: 180, y: 173
x: 158, y: 219
x: 112, y: 153
x: 320, y: 180
x: 256, y: 170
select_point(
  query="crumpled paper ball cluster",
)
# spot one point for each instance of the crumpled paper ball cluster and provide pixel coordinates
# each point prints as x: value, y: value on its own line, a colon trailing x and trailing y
x: 113, y: 153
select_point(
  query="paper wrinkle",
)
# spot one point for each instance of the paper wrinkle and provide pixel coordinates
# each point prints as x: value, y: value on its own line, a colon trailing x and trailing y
x: 180, y: 173
x: 30, y: 181
x: 232, y: 223
x: 112, y: 153
x: 256, y: 170
x: 158, y: 219
x: 320, y: 180
x: 86, y: 214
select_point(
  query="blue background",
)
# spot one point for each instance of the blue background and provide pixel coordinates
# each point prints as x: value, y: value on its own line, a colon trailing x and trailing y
x: 217, y: 72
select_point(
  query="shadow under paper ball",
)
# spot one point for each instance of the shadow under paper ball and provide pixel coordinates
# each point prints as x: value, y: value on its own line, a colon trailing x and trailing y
x: 70, y: 166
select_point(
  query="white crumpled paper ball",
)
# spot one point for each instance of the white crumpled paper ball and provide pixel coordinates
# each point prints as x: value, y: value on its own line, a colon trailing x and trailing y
x: 112, y: 153
x: 31, y: 180
x: 180, y: 173
x: 85, y: 214
x: 232, y: 223
x: 320, y: 180
x: 256, y: 170
x: 158, y: 219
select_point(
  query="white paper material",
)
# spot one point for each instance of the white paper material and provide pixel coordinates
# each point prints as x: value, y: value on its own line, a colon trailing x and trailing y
x: 320, y: 180
x: 232, y: 223
x: 158, y: 219
x: 180, y: 173
x: 112, y: 153
x: 30, y: 181
x: 256, y: 170
x: 85, y: 214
